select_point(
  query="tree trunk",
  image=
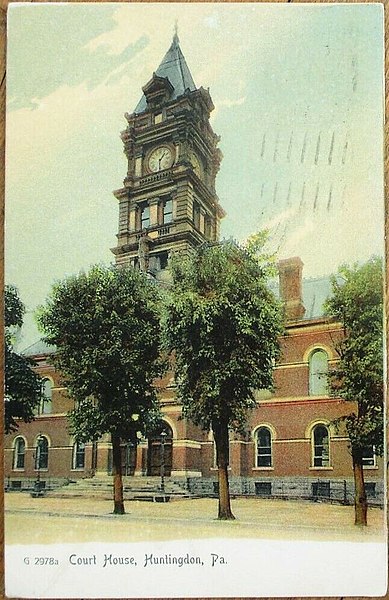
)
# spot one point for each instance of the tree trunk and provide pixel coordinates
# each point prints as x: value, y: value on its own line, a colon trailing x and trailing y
x: 117, y: 476
x: 220, y: 432
x: 360, y: 502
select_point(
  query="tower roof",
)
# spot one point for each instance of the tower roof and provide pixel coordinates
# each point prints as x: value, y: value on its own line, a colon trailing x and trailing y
x: 174, y: 68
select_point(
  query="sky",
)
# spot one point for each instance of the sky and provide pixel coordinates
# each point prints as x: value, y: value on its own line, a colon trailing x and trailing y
x: 298, y: 95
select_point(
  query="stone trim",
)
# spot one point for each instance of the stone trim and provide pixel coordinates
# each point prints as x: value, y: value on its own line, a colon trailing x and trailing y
x: 186, y: 444
x: 286, y: 399
x: 185, y: 474
x: 262, y: 468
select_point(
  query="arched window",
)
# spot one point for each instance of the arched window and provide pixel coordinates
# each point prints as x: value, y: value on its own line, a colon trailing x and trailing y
x: 47, y: 405
x: 264, y: 447
x: 318, y: 373
x: 321, y: 446
x: 78, y: 460
x: 41, y: 453
x: 19, y: 453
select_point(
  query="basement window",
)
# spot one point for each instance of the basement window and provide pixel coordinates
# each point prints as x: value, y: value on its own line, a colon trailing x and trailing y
x: 263, y: 488
x: 370, y: 489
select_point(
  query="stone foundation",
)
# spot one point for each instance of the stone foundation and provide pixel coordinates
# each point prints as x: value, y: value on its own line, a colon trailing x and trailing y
x: 307, y: 488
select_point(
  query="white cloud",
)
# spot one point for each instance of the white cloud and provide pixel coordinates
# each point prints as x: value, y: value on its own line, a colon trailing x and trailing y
x: 35, y: 137
x: 229, y: 102
x: 222, y: 44
x: 280, y: 218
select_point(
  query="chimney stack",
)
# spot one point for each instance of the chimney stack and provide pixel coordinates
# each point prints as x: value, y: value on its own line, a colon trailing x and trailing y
x: 290, y: 275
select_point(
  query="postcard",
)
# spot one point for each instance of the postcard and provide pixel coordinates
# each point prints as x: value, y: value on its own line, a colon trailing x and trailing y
x: 194, y: 273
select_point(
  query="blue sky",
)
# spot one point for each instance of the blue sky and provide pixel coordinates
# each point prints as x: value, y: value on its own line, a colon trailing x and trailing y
x: 298, y: 94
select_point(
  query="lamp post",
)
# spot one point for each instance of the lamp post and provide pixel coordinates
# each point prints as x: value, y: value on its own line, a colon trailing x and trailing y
x: 163, y: 438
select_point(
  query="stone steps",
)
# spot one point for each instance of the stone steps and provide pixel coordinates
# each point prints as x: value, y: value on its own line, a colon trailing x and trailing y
x: 134, y: 488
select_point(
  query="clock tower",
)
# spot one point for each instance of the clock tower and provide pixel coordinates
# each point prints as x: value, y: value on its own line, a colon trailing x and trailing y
x: 168, y: 200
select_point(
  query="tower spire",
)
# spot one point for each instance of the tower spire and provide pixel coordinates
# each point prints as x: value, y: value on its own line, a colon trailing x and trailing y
x: 173, y: 68
x: 176, y: 39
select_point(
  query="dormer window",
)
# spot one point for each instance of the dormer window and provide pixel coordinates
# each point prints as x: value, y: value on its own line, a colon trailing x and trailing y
x: 157, y: 91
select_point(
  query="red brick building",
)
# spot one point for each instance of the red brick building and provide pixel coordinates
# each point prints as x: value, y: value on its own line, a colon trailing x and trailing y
x: 168, y: 202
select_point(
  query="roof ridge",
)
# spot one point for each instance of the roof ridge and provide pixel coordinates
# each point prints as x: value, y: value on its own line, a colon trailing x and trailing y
x: 43, y: 347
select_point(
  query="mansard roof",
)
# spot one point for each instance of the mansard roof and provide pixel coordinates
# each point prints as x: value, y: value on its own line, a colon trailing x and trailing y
x: 38, y: 348
x: 315, y: 292
x: 174, y: 68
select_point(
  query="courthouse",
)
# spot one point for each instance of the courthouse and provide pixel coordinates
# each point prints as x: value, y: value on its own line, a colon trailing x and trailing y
x: 167, y: 203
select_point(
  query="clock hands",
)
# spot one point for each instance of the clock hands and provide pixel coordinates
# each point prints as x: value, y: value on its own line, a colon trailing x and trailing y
x: 161, y: 158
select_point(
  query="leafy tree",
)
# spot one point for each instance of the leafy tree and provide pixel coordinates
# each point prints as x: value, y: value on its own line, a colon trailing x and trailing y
x: 23, y: 387
x: 357, y: 302
x: 222, y: 325
x: 105, y: 325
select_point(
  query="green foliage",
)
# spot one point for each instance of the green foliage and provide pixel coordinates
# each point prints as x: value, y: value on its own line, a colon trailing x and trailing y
x: 255, y: 246
x: 23, y: 387
x: 357, y: 302
x: 105, y: 325
x: 13, y: 307
x: 222, y: 323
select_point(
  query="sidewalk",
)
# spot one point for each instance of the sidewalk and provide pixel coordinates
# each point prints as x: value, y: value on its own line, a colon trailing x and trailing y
x: 53, y: 520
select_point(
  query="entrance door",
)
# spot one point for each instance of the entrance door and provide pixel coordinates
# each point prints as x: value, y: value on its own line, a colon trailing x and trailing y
x: 128, y: 451
x: 160, y: 451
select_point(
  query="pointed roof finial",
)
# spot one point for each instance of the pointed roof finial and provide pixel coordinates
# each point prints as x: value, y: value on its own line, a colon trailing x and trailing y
x: 175, y: 36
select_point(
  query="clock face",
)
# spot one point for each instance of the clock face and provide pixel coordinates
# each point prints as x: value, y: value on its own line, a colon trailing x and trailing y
x: 160, y: 158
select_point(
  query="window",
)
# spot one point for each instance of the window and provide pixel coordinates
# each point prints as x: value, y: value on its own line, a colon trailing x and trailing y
x: 158, y: 118
x: 79, y: 455
x: 370, y: 489
x: 321, y: 446
x: 369, y: 457
x: 208, y: 228
x: 167, y: 211
x: 196, y: 215
x: 263, y: 488
x: 145, y: 216
x: 264, y: 447
x: 321, y: 489
x: 19, y: 453
x: 42, y: 453
x: 318, y: 372
x: 47, y: 405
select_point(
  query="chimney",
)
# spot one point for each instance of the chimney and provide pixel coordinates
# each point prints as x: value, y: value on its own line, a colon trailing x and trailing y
x: 290, y: 274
